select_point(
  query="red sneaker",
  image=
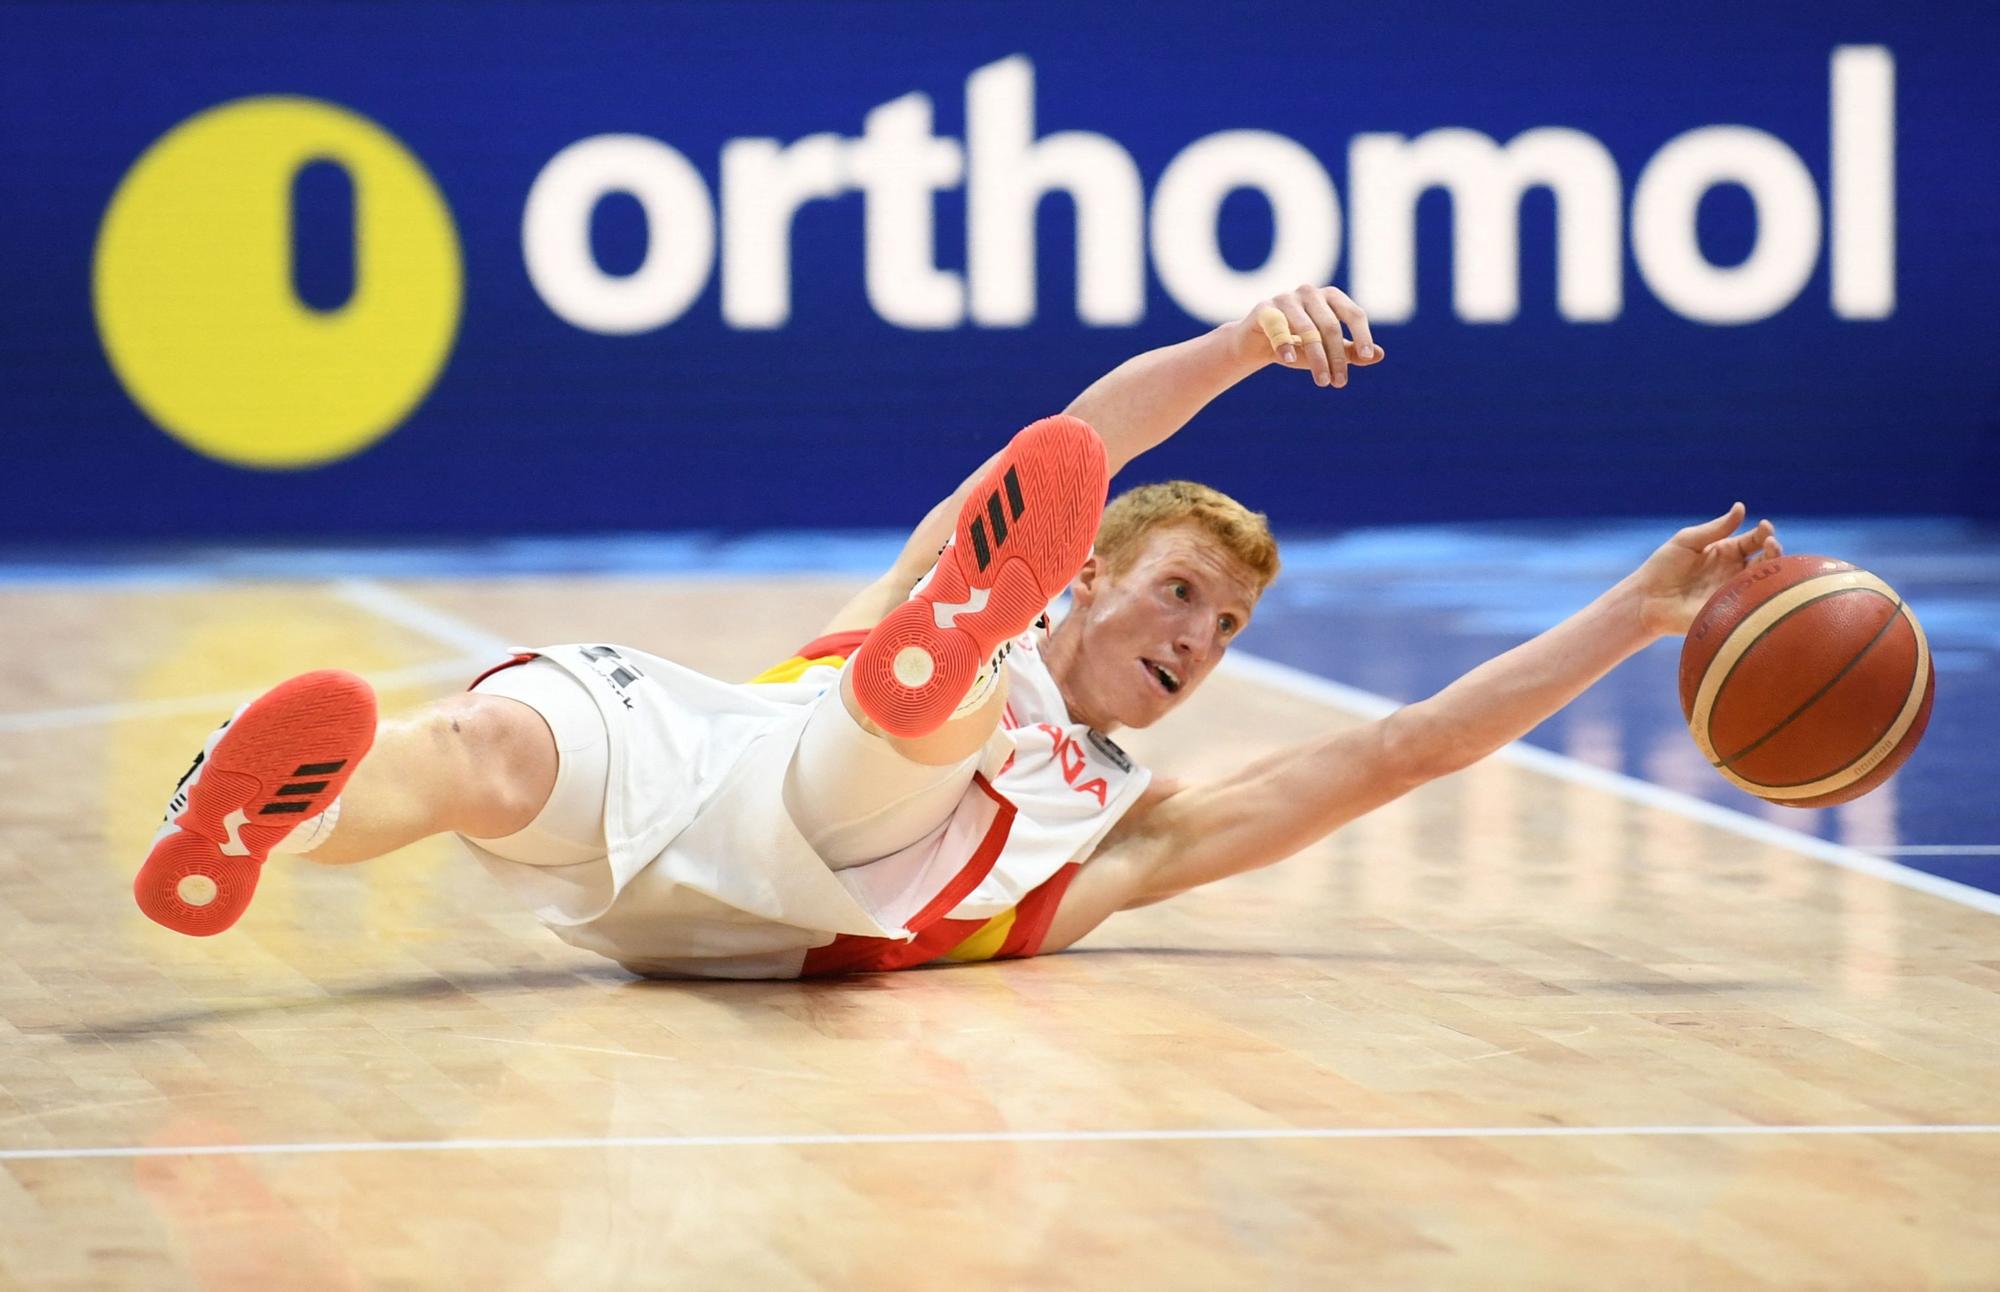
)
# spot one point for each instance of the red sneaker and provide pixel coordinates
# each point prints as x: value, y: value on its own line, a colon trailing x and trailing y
x: 281, y: 759
x: 1022, y: 535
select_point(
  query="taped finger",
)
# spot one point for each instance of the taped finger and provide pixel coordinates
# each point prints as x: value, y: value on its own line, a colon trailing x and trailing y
x: 1278, y: 331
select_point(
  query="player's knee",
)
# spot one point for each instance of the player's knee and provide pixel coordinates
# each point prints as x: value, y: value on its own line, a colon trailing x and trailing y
x: 501, y: 754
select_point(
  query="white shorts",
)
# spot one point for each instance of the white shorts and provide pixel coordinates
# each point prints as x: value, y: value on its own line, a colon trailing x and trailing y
x: 853, y: 797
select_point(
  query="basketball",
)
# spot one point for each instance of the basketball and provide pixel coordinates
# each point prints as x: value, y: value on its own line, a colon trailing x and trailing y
x: 1806, y: 681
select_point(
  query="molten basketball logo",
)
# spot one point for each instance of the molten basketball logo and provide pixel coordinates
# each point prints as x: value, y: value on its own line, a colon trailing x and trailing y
x: 193, y: 286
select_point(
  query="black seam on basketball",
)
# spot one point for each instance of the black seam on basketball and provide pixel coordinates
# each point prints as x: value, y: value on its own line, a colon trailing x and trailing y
x: 1895, y: 614
x: 1865, y: 751
x: 1772, y: 627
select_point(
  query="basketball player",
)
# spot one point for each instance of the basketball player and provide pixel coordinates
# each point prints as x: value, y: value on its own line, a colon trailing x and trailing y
x: 934, y: 776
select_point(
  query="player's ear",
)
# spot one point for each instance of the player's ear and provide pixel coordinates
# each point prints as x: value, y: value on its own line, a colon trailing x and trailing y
x: 1083, y: 588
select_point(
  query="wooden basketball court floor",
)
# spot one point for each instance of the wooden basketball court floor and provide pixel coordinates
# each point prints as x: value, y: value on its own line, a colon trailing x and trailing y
x: 1529, y: 1028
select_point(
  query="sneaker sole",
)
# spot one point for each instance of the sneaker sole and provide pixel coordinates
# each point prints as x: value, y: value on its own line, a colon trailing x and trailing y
x: 1021, y: 537
x: 281, y: 760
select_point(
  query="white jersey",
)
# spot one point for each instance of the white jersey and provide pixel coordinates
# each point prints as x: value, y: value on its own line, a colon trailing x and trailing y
x: 708, y: 876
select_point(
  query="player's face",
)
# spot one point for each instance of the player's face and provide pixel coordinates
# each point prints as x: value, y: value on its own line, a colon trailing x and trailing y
x: 1150, y: 634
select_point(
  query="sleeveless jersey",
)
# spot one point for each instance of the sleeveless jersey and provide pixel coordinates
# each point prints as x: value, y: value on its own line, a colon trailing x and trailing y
x: 708, y: 877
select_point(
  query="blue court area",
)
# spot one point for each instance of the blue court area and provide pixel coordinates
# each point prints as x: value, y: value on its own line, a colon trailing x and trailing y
x: 1398, y: 612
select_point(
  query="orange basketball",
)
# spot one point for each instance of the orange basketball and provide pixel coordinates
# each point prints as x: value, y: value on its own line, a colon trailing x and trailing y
x: 1806, y: 681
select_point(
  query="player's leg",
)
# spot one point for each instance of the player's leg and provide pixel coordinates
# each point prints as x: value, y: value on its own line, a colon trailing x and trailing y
x: 962, y: 735
x: 888, y: 758
x: 305, y: 766
x: 473, y: 764
x: 1022, y: 534
x: 858, y: 795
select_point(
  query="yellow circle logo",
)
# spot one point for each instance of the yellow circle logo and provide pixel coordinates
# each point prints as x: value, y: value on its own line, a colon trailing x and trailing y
x: 193, y: 286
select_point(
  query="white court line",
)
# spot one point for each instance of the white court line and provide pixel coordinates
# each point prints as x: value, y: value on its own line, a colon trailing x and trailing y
x: 1217, y: 1135
x: 427, y: 621
x: 1938, y: 850
x: 221, y: 703
x: 1297, y: 682
x: 480, y: 648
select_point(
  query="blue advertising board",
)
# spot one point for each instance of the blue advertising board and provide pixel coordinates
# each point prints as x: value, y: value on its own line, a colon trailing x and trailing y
x: 336, y: 270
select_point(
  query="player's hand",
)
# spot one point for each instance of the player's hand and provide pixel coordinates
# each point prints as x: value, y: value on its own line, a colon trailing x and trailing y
x: 1304, y: 329
x: 1677, y: 580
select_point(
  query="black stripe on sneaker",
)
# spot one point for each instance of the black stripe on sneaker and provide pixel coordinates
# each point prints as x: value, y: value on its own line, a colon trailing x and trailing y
x: 980, y: 551
x: 192, y: 768
x: 1014, y: 498
x: 319, y: 769
x: 304, y: 787
x: 998, y: 517
x: 280, y: 809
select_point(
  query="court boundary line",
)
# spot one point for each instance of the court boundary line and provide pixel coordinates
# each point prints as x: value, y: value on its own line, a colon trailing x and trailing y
x: 479, y: 648
x: 425, y: 620
x: 220, y: 703
x: 1224, y: 1134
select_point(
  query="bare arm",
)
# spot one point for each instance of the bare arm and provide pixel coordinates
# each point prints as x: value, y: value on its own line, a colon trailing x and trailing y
x: 1279, y: 804
x: 1140, y: 403
x: 1144, y: 400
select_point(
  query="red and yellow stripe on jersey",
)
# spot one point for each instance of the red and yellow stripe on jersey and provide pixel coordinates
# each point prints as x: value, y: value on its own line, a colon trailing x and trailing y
x: 831, y: 650
x: 1015, y: 933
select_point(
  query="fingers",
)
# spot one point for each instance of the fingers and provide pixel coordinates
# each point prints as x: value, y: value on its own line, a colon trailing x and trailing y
x: 1354, y: 317
x: 1330, y: 310
x: 1700, y: 536
x: 1320, y: 329
x: 1759, y: 543
x: 1326, y: 326
x: 1312, y: 349
x: 1277, y: 330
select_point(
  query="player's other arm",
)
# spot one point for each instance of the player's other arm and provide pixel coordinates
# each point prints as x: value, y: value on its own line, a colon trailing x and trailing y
x: 1280, y: 803
x: 1144, y: 400
x: 1140, y: 403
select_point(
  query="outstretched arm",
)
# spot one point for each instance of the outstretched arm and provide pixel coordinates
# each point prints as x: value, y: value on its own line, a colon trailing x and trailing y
x: 1277, y: 805
x: 1142, y: 401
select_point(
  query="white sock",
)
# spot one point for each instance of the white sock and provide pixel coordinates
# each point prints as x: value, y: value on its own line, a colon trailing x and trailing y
x: 309, y: 833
